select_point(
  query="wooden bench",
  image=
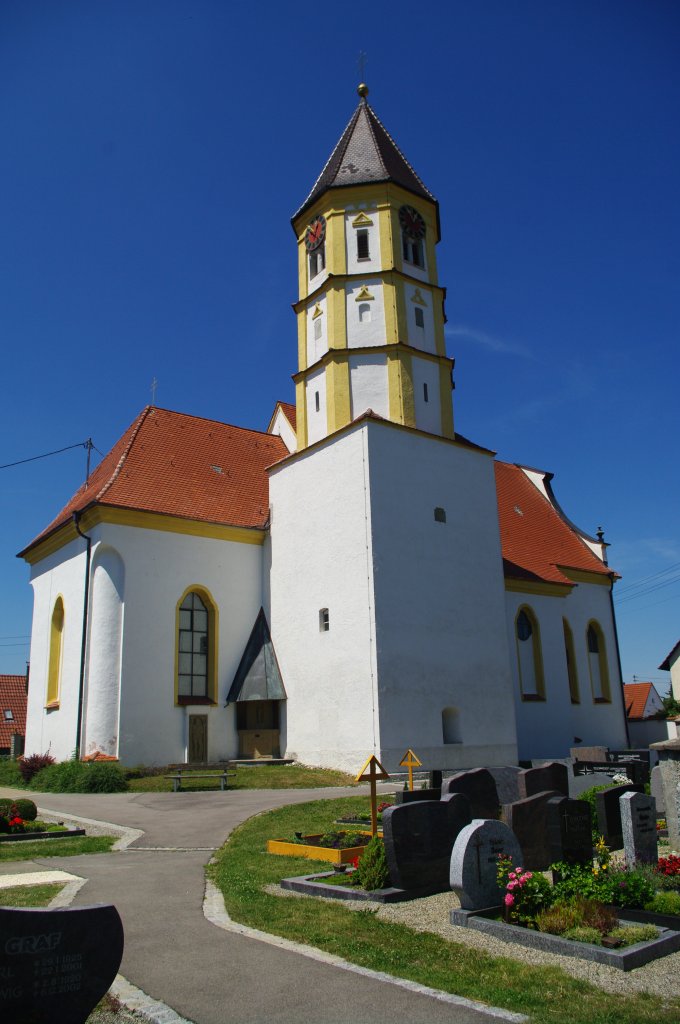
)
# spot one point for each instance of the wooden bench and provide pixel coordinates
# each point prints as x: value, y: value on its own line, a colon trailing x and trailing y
x: 222, y: 771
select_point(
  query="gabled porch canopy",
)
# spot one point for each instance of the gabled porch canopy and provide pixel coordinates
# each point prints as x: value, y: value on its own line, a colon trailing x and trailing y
x: 258, y: 676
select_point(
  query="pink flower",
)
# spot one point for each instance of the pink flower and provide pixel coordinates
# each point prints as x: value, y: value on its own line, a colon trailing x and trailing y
x: 509, y: 900
x: 527, y: 876
x: 513, y: 884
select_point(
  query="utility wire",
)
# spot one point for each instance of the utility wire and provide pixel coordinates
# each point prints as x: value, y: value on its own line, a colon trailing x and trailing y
x: 648, y: 579
x: 649, y: 590
x: 34, y: 458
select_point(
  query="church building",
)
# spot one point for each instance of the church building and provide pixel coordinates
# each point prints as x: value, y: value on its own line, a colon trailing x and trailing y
x: 357, y: 578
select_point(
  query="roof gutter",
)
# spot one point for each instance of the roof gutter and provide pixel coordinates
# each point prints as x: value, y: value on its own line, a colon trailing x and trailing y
x: 83, y: 640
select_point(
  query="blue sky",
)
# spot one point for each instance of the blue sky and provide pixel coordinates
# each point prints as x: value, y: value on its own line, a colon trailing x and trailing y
x: 153, y: 153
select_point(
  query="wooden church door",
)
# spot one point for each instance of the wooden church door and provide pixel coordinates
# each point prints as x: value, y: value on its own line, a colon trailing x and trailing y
x: 198, y: 739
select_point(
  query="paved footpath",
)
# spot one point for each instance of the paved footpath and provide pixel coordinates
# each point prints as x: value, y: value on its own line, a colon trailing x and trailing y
x: 207, y: 974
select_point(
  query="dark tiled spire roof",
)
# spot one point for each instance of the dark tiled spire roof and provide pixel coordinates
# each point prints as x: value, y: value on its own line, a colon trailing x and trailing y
x: 365, y: 153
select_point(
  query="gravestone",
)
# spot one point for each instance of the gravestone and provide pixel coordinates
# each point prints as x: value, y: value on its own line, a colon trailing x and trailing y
x: 538, y: 780
x: 609, y: 813
x: 570, y: 836
x: 638, y: 823
x: 589, y: 753
x: 479, y: 787
x: 419, y: 838
x: 528, y: 819
x: 410, y: 796
x: 507, y: 787
x: 474, y: 862
x: 669, y: 771
x: 55, y: 965
x: 656, y: 787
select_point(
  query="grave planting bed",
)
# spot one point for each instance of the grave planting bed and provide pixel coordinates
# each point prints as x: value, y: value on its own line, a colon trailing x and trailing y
x: 626, y: 959
x: 306, y: 848
x: 316, y: 885
x: 18, y: 837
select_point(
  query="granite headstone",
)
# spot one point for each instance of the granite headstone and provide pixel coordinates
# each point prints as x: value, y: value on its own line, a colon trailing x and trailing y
x: 570, y: 835
x: 507, y: 787
x: 528, y: 819
x: 609, y: 813
x: 55, y: 965
x: 479, y: 787
x: 638, y: 824
x: 419, y: 838
x: 553, y: 776
x: 474, y: 862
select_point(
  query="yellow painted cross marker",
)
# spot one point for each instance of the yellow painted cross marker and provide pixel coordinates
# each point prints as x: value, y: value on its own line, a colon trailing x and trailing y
x: 373, y: 772
x: 410, y: 761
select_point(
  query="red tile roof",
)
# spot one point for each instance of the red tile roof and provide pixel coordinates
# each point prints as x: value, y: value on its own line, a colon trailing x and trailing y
x: 290, y: 412
x: 12, y: 698
x: 535, y: 537
x: 179, y: 465
x: 635, y: 696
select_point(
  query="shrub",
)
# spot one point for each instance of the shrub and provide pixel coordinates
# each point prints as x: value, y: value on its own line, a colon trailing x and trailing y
x: 371, y: 870
x: 583, y: 934
x: 578, y: 912
x: 669, y: 865
x: 30, y: 766
x: 81, y: 777
x: 630, y: 888
x: 596, y: 915
x: 9, y: 773
x: 526, y: 892
x: 589, y: 795
x: 665, y: 903
x: 26, y: 809
x: 628, y: 935
x: 558, y: 919
x: 341, y: 840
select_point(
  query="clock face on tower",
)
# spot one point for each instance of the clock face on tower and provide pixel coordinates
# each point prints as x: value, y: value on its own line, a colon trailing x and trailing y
x: 412, y: 224
x: 315, y: 233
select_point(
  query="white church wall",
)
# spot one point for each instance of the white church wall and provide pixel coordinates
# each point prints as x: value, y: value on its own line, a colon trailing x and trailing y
x: 548, y: 728
x: 61, y: 574
x: 317, y: 329
x: 282, y: 428
x: 365, y: 312
x: 317, y: 416
x: 320, y: 539
x: 426, y: 395
x: 440, y: 612
x: 102, y: 696
x: 422, y: 299
x: 368, y: 384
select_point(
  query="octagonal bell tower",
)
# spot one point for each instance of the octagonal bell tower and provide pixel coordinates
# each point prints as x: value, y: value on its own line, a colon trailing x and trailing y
x: 370, y: 310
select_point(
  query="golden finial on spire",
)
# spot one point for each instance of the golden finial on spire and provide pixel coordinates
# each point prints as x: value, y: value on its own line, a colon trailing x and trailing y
x: 362, y: 89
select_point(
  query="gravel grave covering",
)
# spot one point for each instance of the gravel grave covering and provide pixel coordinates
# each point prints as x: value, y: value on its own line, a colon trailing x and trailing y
x: 431, y: 914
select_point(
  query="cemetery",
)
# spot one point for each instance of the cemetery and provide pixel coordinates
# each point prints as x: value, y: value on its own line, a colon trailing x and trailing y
x: 18, y: 822
x: 527, y: 862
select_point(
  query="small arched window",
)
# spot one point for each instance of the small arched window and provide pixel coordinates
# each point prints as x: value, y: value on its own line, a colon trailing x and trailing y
x: 364, y: 313
x: 56, y: 654
x: 317, y: 329
x: 317, y: 261
x: 451, y: 725
x: 571, y: 662
x: 529, y: 656
x: 597, y: 663
x: 196, y: 647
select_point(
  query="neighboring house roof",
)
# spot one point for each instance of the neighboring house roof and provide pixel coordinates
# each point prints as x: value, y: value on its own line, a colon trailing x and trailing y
x: 12, y: 699
x: 179, y: 465
x: 536, y: 538
x: 670, y: 658
x: 640, y: 698
x: 290, y: 412
x: 365, y: 153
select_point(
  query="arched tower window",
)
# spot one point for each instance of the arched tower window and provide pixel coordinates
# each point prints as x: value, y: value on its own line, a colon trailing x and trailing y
x: 529, y: 656
x: 597, y: 663
x: 451, y: 725
x: 196, y: 651
x: 56, y: 653
x: 364, y: 313
x: 571, y: 662
x: 317, y: 261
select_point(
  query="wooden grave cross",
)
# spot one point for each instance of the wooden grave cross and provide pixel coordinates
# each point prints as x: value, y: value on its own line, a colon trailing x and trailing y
x: 410, y: 761
x: 376, y: 773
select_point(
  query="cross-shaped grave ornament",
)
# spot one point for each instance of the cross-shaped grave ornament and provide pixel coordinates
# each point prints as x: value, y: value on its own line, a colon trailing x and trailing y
x: 373, y: 772
x: 410, y: 761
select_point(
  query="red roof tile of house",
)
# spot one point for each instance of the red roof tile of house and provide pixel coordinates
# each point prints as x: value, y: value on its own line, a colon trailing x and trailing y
x: 536, y: 539
x: 13, y: 699
x: 635, y: 697
x: 290, y: 412
x: 179, y: 465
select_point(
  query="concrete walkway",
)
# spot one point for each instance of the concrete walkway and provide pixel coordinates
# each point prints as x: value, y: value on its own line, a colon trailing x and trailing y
x: 207, y: 974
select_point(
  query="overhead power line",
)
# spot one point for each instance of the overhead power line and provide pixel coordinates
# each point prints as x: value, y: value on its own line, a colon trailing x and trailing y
x: 58, y: 451
x: 648, y: 579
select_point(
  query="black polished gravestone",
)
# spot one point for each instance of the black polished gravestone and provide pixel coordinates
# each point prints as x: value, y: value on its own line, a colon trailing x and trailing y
x: 507, y: 786
x: 570, y: 834
x: 553, y: 775
x: 55, y: 965
x: 609, y: 813
x: 528, y: 819
x: 419, y: 838
x: 479, y: 787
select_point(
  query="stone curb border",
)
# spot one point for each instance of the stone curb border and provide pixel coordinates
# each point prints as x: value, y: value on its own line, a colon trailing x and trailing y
x: 134, y: 999
x: 215, y: 912
x: 127, y: 835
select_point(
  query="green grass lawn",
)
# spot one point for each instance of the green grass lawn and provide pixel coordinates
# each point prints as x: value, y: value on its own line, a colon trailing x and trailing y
x: 266, y: 776
x: 55, y: 847
x: 29, y: 895
x: 547, y: 995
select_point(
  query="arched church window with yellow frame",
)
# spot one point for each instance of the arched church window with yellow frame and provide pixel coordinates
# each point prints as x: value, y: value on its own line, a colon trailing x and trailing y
x: 529, y: 655
x: 572, y: 672
x: 597, y: 663
x: 56, y: 654
x: 196, y: 648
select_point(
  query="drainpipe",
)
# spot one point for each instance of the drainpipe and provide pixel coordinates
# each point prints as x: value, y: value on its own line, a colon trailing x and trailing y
x: 83, y: 643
